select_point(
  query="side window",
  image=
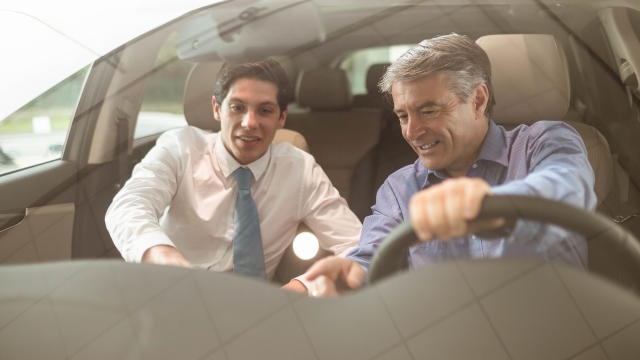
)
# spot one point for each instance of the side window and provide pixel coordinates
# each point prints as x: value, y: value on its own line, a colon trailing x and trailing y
x: 357, y: 64
x: 37, y: 132
x: 162, y: 107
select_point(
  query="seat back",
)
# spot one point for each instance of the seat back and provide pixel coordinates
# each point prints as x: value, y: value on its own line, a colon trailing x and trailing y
x: 341, y: 138
x: 531, y: 82
x: 373, y: 98
x: 198, y: 110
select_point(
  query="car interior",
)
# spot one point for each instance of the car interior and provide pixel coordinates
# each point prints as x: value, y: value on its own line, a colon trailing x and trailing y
x: 572, y: 62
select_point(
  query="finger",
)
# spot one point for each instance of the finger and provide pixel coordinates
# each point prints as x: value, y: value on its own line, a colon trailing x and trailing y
x: 435, y: 213
x: 417, y: 212
x: 354, y: 276
x: 474, y: 193
x: 453, y: 209
x: 324, y: 287
x: 331, y: 266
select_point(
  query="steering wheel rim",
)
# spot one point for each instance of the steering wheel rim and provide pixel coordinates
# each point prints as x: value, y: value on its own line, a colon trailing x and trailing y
x: 592, y: 225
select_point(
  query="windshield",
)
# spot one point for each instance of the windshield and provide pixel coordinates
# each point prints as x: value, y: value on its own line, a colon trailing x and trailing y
x: 114, y: 146
x: 44, y: 44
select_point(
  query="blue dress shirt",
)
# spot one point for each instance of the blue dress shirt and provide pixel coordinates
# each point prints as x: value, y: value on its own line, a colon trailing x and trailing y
x: 547, y: 159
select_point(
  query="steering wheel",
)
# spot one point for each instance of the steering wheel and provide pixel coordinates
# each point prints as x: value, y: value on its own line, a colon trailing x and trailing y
x: 391, y: 256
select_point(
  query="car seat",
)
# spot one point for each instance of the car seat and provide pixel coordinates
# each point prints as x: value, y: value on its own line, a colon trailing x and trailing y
x: 531, y: 82
x: 342, y: 139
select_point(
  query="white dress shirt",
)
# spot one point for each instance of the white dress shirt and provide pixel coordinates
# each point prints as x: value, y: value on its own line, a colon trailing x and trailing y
x: 183, y: 194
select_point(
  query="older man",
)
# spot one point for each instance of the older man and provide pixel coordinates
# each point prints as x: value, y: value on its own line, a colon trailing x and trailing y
x: 443, y: 97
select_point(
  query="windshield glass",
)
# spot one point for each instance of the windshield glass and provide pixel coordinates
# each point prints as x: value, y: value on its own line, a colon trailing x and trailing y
x: 44, y: 44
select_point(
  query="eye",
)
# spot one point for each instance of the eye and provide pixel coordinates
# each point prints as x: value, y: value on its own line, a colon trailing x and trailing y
x: 403, y: 118
x: 429, y: 113
x: 236, y: 108
x: 267, y: 111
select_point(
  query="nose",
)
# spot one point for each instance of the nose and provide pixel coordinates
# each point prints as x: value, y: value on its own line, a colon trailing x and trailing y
x: 249, y: 119
x: 413, y: 129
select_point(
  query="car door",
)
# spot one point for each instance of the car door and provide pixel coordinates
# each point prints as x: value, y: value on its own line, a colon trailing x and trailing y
x: 67, y: 152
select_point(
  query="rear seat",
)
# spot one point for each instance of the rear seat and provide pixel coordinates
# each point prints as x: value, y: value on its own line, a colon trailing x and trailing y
x: 393, y: 151
x: 342, y: 139
x: 373, y: 98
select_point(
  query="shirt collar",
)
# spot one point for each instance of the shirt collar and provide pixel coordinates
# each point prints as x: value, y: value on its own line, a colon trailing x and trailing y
x: 431, y: 177
x: 228, y: 164
x: 494, y: 148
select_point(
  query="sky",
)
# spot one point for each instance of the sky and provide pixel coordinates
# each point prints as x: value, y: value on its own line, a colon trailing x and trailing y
x: 45, y: 41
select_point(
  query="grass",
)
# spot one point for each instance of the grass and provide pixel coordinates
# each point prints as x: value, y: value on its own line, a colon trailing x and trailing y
x: 21, y: 121
x: 166, y: 107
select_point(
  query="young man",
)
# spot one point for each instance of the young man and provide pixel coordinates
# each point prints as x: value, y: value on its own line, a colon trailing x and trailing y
x: 230, y: 200
x: 442, y: 94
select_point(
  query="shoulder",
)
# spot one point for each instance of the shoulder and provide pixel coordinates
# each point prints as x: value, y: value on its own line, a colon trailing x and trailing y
x: 406, y: 173
x: 543, y: 128
x: 187, y: 137
x: 285, y: 153
x: 405, y: 181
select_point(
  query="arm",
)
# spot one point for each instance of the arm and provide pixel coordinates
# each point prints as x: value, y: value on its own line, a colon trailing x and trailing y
x: 333, y: 274
x: 133, y: 217
x: 327, y: 214
x: 165, y: 255
x: 386, y: 215
x: 558, y: 168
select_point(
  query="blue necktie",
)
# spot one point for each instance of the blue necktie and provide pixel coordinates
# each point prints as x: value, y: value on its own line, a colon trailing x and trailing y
x: 248, y: 257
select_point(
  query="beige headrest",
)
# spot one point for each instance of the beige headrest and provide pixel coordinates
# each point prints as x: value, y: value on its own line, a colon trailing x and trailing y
x: 323, y: 89
x: 530, y: 77
x: 198, y: 91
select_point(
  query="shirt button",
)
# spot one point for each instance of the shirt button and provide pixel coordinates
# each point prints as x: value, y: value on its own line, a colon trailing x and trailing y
x: 474, y: 237
x: 474, y: 166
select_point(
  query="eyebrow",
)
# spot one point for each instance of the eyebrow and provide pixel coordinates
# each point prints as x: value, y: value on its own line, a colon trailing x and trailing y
x: 235, y: 99
x: 425, y: 104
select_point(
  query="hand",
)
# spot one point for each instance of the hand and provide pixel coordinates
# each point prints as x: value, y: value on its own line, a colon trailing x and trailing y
x: 444, y: 211
x: 295, y: 286
x: 165, y: 255
x: 332, y: 275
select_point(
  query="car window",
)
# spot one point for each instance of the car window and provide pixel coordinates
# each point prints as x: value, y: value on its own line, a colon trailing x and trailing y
x: 357, y: 64
x: 162, y: 107
x: 36, y: 132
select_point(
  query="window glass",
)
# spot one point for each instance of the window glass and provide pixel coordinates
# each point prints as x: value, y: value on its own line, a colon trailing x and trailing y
x: 357, y: 64
x: 36, y: 133
x: 162, y: 107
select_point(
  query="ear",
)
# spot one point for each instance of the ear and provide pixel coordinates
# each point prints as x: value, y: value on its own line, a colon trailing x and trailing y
x: 216, y: 108
x: 480, y: 100
x: 283, y: 118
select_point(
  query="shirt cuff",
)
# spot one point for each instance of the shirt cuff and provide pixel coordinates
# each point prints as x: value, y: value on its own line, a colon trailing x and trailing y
x: 305, y: 282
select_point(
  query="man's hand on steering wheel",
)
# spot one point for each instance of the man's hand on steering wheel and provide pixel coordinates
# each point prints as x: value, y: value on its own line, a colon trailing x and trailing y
x: 442, y: 211
x: 445, y: 211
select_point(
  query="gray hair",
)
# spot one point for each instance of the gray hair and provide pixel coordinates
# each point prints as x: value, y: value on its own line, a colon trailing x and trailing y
x: 459, y: 57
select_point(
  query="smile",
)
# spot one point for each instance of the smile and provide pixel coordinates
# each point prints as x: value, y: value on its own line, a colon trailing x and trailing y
x: 429, y: 146
x: 249, y: 139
